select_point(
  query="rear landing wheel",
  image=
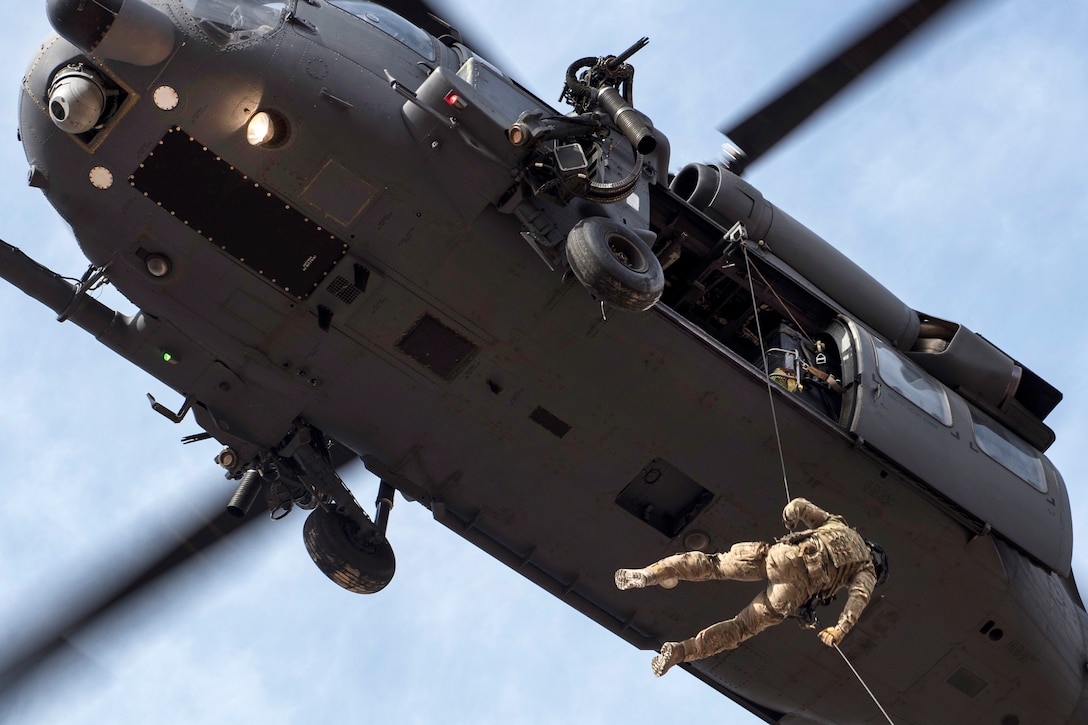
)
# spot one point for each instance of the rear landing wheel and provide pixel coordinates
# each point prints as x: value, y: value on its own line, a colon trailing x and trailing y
x: 357, y: 558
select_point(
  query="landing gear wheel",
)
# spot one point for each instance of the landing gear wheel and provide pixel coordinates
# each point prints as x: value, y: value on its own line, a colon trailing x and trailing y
x: 615, y: 264
x: 357, y: 559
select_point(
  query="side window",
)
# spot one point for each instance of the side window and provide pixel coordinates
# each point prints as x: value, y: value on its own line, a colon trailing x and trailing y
x: 908, y: 380
x: 1008, y: 450
x: 391, y: 24
x: 230, y: 22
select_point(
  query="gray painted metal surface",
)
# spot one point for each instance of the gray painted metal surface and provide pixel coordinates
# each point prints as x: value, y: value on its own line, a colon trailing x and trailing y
x: 441, y: 342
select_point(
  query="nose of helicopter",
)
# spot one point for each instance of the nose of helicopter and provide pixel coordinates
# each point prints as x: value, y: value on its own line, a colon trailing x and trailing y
x: 130, y: 31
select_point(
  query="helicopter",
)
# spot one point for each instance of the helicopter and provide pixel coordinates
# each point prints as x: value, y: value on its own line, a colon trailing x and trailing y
x: 641, y: 81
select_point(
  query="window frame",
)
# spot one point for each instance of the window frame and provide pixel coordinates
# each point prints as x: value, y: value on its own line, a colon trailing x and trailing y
x: 1008, y: 450
x: 212, y: 24
x: 424, y: 38
x: 927, y: 397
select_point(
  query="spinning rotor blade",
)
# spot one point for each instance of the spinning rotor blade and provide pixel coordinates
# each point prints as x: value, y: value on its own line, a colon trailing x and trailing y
x: 213, y: 527
x: 763, y: 129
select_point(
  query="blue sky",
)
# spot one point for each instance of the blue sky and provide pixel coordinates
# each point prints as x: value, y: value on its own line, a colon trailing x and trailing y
x: 958, y: 176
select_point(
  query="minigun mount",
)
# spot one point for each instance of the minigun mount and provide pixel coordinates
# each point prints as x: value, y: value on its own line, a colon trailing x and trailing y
x: 606, y: 84
x: 565, y: 150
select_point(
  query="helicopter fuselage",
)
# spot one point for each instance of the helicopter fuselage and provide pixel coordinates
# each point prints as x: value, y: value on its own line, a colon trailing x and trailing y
x: 329, y: 218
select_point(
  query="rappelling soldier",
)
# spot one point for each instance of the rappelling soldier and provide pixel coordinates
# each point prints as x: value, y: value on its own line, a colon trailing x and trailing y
x: 802, y: 569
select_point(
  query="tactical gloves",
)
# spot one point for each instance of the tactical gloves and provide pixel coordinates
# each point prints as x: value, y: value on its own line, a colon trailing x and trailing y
x: 831, y: 636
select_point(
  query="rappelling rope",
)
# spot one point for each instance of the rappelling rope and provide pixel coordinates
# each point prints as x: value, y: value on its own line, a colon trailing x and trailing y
x: 882, y: 710
x: 739, y: 233
x: 786, y: 307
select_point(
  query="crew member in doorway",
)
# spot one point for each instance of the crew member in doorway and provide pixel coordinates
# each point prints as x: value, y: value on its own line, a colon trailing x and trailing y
x: 802, y: 568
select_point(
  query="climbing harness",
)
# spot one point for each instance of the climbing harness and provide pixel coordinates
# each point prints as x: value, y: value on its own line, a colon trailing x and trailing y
x: 806, y: 613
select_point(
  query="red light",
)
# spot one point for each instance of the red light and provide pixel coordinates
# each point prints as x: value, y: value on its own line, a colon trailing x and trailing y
x: 454, y: 99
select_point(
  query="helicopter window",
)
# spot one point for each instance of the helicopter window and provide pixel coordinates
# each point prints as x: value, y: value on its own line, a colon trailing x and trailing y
x: 391, y: 24
x: 1008, y: 450
x: 910, y: 382
x: 236, y: 21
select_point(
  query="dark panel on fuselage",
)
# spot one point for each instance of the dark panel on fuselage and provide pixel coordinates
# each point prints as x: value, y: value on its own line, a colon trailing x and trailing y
x: 664, y: 497
x: 437, y: 347
x: 966, y: 682
x: 238, y: 215
x: 550, y: 422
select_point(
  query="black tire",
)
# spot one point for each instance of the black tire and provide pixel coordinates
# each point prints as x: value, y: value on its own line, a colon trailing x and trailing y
x: 615, y: 264
x: 358, y: 560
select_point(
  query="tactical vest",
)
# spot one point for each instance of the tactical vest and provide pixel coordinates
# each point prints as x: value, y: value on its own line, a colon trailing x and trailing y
x: 832, y: 553
x: 844, y: 545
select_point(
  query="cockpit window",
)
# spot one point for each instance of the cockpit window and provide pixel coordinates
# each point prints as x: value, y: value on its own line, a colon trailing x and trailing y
x: 910, y: 382
x: 391, y: 24
x: 228, y: 22
x: 1008, y: 450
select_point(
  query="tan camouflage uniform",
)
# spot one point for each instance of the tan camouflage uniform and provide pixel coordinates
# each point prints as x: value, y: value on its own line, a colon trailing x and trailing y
x: 821, y: 560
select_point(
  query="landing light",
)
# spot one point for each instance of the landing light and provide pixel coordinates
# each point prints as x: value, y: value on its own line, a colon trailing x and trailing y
x: 266, y: 129
x: 261, y: 129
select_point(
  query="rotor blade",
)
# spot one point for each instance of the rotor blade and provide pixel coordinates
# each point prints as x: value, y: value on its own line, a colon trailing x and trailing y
x: 200, y: 536
x: 215, y: 526
x: 763, y: 129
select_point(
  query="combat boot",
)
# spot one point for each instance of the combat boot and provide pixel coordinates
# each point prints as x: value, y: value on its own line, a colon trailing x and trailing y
x: 645, y: 577
x: 672, y: 653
